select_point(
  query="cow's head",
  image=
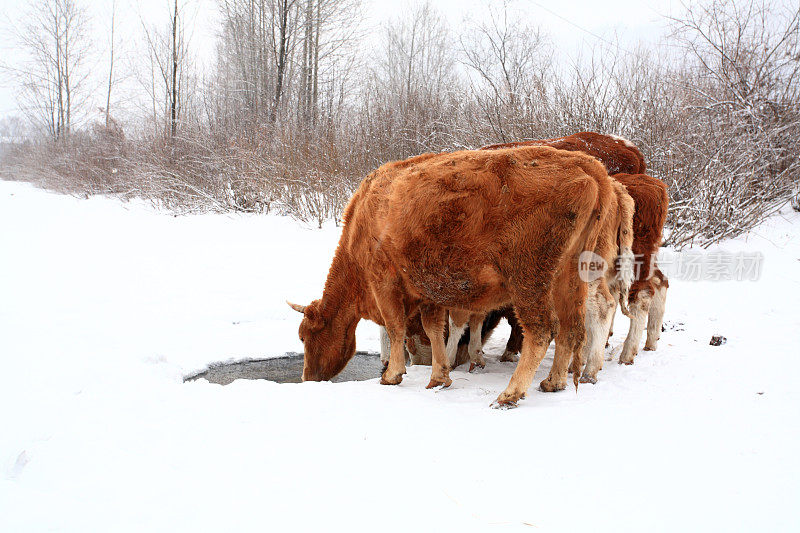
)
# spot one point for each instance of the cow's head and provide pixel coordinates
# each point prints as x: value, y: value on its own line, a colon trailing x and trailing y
x: 329, y: 344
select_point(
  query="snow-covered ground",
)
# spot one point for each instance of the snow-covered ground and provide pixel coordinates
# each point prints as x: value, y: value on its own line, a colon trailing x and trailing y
x: 105, y: 306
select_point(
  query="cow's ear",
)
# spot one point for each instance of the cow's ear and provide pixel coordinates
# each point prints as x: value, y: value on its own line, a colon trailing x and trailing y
x: 311, y: 312
x: 313, y: 315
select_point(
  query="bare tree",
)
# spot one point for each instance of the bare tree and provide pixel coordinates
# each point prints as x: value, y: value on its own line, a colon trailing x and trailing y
x: 297, y: 109
x: 510, y: 63
x: 111, y: 64
x: 173, y: 96
x: 283, y: 30
x: 55, y: 42
x: 169, y: 79
x: 330, y: 31
x: 742, y: 86
x: 411, y: 86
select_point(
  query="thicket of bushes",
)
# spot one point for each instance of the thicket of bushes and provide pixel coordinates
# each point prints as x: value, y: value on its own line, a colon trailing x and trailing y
x: 720, y: 124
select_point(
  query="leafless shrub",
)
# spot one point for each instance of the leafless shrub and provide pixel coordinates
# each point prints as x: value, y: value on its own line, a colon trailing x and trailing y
x: 295, y: 114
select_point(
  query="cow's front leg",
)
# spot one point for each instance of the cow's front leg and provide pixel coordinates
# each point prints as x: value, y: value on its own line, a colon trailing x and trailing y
x: 393, y: 312
x: 458, y: 323
x: 433, y: 323
x: 393, y: 374
x: 475, y: 350
x: 386, y: 347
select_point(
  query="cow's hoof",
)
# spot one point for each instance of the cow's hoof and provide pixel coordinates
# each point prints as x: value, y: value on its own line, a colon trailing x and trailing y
x: 503, y: 406
x: 588, y: 379
x: 437, y: 382
x: 386, y: 379
x: 626, y: 357
x: 649, y: 348
x: 507, y: 401
x: 549, y: 385
x: 473, y: 366
x: 509, y: 357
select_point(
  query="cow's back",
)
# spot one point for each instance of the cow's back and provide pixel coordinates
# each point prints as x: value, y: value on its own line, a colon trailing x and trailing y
x: 455, y: 224
x: 616, y: 153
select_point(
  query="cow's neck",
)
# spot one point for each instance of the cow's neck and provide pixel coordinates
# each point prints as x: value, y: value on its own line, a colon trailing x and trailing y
x: 344, y: 290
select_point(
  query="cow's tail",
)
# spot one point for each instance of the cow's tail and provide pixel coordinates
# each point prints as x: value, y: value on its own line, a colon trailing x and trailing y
x: 625, y: 267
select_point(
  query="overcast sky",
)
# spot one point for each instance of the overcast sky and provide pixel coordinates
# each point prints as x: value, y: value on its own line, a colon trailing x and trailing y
x: 575, y: 26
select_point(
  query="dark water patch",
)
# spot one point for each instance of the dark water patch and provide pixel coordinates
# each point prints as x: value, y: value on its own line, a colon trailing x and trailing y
x: 286, y: 369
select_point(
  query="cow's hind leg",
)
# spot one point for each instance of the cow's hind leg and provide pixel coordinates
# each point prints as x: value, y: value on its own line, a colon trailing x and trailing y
x: 539, y: 325
x: 613, y: 316
x: 656, y: 316
x: 433, y: 322
x: 514, y: 344
x: 599, y: 305
x: 570, y: 303
x: 639, y: 309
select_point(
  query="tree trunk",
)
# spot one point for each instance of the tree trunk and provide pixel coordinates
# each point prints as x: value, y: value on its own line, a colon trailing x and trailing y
x: 174, y: 96
x: 314, y: 89
x: 283, y: 29
x: 111, y: 66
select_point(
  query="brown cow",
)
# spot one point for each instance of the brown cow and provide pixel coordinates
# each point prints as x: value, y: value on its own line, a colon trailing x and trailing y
x: 649, y: 290
x: 619, y: 155
x: 470, y: 231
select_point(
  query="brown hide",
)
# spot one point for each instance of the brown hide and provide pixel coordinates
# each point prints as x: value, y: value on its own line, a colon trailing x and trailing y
x: 617, y: 154
x: 650, y: 196
x: 650, y: 213
x: 607, y: 247
x: 473, y: 230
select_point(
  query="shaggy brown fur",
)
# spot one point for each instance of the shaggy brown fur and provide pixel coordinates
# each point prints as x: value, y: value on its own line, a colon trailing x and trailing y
x: 614, y: 243
x: 652, y: 201
x: 617, y: 154
x: 471, y: 230
x: 650, y: 196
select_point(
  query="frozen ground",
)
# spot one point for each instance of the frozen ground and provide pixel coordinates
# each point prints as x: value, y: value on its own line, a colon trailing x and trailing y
x: 104, y: 307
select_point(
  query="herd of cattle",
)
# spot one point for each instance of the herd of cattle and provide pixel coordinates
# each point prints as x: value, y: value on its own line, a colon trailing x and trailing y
x: 550, y: 235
